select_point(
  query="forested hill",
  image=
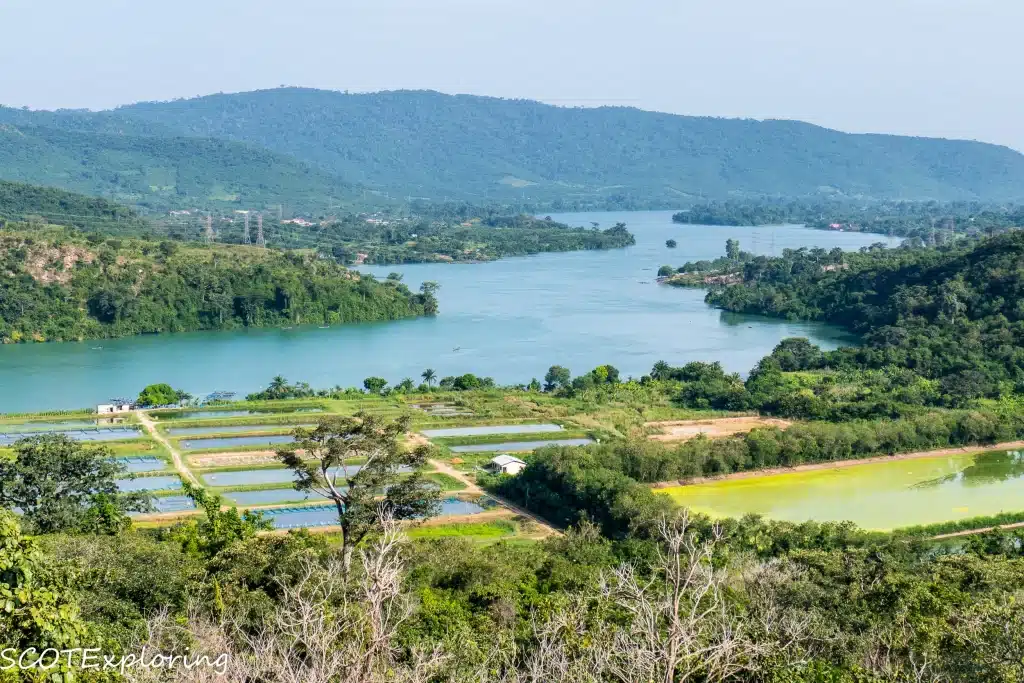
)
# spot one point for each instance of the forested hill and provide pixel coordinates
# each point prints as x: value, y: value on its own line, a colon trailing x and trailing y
x: 954, y: 314
x: 159, y: 172
x: 427, y: 144
x: 20, y: 202
x: 61, y: 286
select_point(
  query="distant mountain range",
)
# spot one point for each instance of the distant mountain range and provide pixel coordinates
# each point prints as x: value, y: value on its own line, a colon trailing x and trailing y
x: 313, y: 150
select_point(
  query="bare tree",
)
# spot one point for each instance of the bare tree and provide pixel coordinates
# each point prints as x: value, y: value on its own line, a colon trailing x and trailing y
x: 681, y: 625
x: 329, y: 627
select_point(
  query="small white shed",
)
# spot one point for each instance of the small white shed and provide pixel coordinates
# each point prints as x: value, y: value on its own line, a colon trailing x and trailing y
x: 113, y: 408
x: 507, y: 464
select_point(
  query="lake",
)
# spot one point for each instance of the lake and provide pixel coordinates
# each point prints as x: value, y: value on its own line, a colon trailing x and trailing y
x: 886, y: 495
x: 509, y: 319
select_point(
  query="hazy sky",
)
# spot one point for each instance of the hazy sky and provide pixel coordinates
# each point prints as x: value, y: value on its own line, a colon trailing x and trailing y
x: 948, y: 68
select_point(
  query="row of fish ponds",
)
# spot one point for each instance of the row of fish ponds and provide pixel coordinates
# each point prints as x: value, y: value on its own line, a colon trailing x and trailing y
x: 488, y: 445
x: 219, y: 479
x: 228, y: 413
x: 10, y: 436
x: 305, y: 516
x: 228, y: 443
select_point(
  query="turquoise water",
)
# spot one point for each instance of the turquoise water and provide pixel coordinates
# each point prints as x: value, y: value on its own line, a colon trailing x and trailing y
x: 517, y: 445
x: 509, y: 319
x: 492, y: 429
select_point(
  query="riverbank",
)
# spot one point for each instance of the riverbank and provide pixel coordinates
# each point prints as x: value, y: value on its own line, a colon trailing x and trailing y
x: 577, y: 309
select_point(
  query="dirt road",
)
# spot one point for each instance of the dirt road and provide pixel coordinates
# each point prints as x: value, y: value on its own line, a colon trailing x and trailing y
x: 471, y: 487
x: 179, y: 463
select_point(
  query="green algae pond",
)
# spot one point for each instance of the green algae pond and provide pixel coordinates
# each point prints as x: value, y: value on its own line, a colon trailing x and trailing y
x: 885, y: 495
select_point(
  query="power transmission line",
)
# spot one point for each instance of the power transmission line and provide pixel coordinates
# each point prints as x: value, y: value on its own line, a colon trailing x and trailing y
x: 208, y: 235
x: 261, y: 241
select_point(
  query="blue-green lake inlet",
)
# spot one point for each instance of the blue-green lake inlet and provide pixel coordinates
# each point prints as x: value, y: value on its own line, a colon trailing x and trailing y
x: 509, y: 319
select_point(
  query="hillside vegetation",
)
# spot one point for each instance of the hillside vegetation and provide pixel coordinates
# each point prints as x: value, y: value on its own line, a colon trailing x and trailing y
x: 59, y: 285
x: 162, y: 172
x: 928, y: 221
x: 951, y: 315
x: 426, y: 144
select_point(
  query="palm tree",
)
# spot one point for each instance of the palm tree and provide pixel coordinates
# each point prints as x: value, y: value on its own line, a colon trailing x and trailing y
x: 428, y: 376
x: 661, y: 370
x: 277, y: 386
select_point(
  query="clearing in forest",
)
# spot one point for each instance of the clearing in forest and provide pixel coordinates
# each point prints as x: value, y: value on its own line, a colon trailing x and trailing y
x: 682, y: 430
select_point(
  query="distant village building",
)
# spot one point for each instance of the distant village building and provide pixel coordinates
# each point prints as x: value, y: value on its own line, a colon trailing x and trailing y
x: 300, y: 221
x: 113, y: 408
x: 507, y: 464
x: 181, y: 213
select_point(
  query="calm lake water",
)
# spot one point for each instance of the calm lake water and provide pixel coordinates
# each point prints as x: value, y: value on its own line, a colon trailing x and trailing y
x: 884, y: 495
x: 509, y: 319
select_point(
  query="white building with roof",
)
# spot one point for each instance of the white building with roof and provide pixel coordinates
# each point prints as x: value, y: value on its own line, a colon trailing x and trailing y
x: 507, y: 464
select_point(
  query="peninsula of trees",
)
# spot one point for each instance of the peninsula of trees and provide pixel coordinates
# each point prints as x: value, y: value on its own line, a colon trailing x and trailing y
x: 62, y: 285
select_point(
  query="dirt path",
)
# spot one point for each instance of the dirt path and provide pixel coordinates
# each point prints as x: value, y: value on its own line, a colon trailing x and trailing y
x: 445, y: 468
x: 838, y: 464
x: 544, y: 528
x: 982, y: 530
x: 179, y: 463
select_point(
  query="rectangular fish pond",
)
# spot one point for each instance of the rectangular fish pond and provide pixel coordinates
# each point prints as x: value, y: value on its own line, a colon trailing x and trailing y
x: 885, y: 495
x: 279, y: 475
x: 148, y: 484
x: 171, y: 504
x: 214, y: 414
x: 141, y: 464
x: 491, y: 429
x: 227, y: 429
x: 517, y: 445
x: 31, y: 427
x: 228, y: 442
x: 270, y: 496
x: 95, y: 434
x: 270, y: 475
x: 327, y: 515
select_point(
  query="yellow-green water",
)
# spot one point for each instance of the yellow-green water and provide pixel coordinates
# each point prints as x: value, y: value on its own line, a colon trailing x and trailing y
x: 886, y: 495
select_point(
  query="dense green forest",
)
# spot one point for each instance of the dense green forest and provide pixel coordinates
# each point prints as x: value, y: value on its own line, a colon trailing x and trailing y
x: 19, y: 202
x: 943, y: 324
x: 929, y: 222
x: 64, y: 285
x: 432, y: 146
